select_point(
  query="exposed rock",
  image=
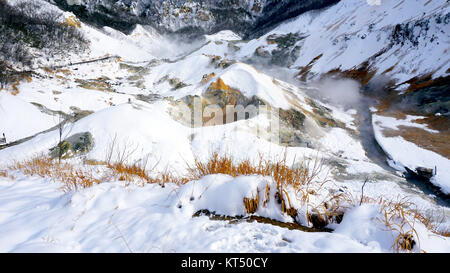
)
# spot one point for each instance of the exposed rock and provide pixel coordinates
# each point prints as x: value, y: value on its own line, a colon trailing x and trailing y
x: 74, y: 145
x: 292, y: 117
x: 101, y: 83
x: 207, y: 77
x: 318, y: 221
x: 176, y: 83
x: 191, y: 17
x: 421, y: 173
x: 232, y: 46
x: 296, y: 129
x: 218, y: 62
x: 261, y: 51
x: 149, y: 97
x: 78, y: 113
x: 427, y: 173
x: 427, y: 96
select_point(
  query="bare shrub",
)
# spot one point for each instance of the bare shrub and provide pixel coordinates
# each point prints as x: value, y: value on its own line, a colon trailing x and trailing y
x: 25, y: 25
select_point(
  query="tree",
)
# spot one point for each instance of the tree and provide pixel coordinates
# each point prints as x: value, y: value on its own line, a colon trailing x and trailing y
x: 64, y: 128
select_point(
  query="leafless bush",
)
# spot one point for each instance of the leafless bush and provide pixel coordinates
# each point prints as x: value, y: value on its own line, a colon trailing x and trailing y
x: 25, y: 25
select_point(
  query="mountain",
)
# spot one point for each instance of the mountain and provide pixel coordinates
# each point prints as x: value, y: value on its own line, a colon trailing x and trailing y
x: 247, y: 17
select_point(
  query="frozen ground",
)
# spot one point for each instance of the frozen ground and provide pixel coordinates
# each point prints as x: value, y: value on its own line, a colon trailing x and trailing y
x: 35, y: 216
x: 129, y: 99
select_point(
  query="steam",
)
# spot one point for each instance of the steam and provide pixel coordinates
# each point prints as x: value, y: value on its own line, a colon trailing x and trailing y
x: 345, y: 93
x: 340, y: 92
x: 160, y: 45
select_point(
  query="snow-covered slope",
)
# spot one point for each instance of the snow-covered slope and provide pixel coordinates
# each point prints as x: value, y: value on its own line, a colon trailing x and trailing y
x: 126, y: 92
x: 405, y: 153
x: 397, y: 39
x: 35, y: 216
x: 191, y: 16
x: 31, y: 120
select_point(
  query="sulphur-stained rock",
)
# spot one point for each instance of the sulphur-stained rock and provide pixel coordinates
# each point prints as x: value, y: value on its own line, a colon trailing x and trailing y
x: 293, y: 117
x: 219, y: 62
x: 207, y: 77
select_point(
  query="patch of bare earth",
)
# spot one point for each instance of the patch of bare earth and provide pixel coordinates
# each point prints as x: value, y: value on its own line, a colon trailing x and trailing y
x: 436, y: 142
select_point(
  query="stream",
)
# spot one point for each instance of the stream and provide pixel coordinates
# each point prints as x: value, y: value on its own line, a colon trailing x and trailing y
x: 376, y: 154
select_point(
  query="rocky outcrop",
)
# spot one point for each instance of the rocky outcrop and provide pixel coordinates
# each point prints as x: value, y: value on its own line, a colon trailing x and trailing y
x: 196, y: 17
x: 74, y: 145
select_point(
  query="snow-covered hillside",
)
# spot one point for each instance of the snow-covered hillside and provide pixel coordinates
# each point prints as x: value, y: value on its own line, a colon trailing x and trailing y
x: 397, y: 39
x: 143, y: 115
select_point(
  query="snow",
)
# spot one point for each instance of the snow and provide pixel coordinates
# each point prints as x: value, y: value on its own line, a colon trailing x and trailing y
x: 136, y: 126
x: 115, y: 216
x: 350, y: 32
x: 364, y: 224
x: 251, y: 83
x: 394, y: 123
x: 407, y: 154
x: 337, y: 139
x: 35, y: 216
x: 20, y: 119
x: 224, y: 35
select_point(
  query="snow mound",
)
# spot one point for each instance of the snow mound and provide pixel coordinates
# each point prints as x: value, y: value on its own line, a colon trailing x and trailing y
x: 140, y: 128
x: 251, y: 82
x: 224, y: 35
x: 20, y: 119
x: 224, y: 195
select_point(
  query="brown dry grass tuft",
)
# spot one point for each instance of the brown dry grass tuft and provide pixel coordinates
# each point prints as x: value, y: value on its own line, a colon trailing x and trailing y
x: 73, y: 178
x: 282, y: 173
x: 130, y: 173
x: 15, y: 88
x: 401, y: 216
x: 251, y: 204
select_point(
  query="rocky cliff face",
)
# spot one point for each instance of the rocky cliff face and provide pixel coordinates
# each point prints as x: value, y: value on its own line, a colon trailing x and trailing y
x: 196, y: 17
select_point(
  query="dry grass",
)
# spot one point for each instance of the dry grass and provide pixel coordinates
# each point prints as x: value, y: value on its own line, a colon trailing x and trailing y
x: 128, y: 172
x: 73, y: 178
x: 251, y: 204
x: 282, y: 173
x: 330, y: 210
x: 401, y: 216
x: 300, y: 178
x: 135, y: 172
x: 15, y: 90
x: 72, y: 21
